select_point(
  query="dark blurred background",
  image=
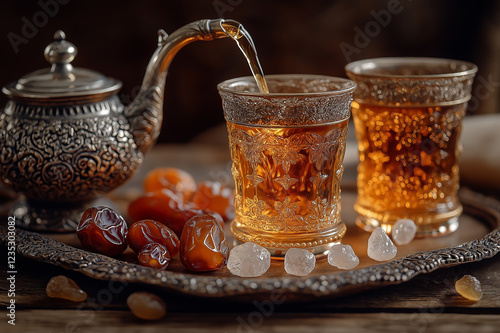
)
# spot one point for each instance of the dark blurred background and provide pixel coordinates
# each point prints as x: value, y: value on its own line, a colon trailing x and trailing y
x: 117, y: 38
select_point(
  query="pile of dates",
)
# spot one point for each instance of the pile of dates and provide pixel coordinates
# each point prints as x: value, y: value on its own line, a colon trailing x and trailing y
x: 175, y: 216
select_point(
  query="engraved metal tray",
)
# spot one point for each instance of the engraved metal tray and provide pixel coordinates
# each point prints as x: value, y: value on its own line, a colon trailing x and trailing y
x: 477, y: 238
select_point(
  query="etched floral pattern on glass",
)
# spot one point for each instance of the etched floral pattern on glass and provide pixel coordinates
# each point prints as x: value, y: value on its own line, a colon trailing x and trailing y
x: 286, y: 178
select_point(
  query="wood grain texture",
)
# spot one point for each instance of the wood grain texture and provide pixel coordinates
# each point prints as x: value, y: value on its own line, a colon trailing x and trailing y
x: 121, y: 321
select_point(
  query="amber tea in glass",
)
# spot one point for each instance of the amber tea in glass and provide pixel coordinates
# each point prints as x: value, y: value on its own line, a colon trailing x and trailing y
x: 287, y: 148
x: 407, y: 114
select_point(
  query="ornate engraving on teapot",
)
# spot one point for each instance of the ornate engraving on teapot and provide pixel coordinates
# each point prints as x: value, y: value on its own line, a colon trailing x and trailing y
x: 56, y: 158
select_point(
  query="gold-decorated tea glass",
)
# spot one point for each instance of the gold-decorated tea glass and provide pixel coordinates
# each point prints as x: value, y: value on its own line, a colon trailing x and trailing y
x: 408, y: 113
x: 287, y: 149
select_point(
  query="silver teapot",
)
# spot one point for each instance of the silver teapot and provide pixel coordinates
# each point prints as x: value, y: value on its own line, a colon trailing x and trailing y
x: 66, y: 138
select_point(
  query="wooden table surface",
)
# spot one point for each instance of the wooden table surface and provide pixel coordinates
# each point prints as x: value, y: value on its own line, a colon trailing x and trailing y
x: 427, y: 303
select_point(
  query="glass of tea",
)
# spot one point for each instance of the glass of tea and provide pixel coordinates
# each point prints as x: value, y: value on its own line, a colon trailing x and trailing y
x: 287, y: 148
x: 407, y: 114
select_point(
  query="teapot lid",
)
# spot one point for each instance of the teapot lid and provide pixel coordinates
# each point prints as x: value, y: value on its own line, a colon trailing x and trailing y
x: 61, y: 79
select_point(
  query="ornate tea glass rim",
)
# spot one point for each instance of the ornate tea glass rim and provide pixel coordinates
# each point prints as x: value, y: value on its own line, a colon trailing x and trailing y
x: 240, y: 85
x: 412, y: 81
x: 297, y: 100
x: 363, y: 67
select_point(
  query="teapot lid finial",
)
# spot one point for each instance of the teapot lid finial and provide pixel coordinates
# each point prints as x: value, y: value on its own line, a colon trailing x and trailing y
x: 60, y: 52
x: 61, y: 80
x: 59, y: 34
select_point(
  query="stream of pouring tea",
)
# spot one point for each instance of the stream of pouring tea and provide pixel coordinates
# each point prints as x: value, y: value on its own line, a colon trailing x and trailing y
x: 246, y: 45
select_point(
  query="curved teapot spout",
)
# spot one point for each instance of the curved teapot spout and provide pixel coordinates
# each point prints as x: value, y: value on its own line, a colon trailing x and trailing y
x: 145, y: 113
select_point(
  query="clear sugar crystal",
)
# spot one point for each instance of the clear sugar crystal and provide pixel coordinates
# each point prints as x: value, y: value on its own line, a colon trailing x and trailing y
x: 404, y: 231
x: 299, y: 262
x: 380, y: 246
x: 343, y: 257
x: 249, y: 260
